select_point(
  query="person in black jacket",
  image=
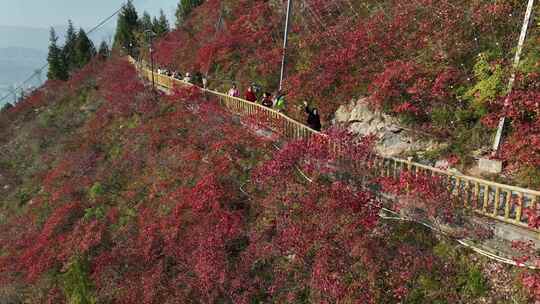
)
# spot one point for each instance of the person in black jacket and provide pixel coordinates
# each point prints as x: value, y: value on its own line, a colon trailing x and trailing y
x: 267, y: 100
x: 313, y: 119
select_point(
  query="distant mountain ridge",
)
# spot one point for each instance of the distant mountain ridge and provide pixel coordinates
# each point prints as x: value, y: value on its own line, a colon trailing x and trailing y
x: 16, y: 65
x: 38, y: 38
x: 14, y: 52
x: 23, y: 50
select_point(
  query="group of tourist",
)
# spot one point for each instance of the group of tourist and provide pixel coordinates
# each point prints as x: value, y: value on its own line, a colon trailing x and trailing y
x: 186, y: 78
x: 275, y: 101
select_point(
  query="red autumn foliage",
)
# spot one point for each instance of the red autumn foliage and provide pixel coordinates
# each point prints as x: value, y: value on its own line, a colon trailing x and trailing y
x: 180, y: 226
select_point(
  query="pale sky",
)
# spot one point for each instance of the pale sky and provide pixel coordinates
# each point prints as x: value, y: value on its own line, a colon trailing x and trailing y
x: 85, y: 13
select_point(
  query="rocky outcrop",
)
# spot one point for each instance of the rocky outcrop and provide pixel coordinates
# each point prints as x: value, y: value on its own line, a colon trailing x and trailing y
x: 394, y: 139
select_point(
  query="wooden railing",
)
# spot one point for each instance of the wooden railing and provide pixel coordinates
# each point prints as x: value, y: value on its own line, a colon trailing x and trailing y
x: 498, y: 201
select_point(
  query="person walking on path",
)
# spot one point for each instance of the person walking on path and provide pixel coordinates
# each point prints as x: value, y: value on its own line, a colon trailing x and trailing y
x: 177, y: 75
x: 267, y: 100
x: 279, y: 101
x: 204, y: 82
x: 250, y: 95
x: 187, y: 78
x: 313, y: 119
x: 234, y: 91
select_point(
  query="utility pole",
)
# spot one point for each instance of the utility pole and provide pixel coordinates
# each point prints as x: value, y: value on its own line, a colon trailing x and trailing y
x: 152, y: 34
x: 522, y: 36
x: 285, y: 39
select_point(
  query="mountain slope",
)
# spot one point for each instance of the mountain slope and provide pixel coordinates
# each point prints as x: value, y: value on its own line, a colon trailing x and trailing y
x: 115, y: 195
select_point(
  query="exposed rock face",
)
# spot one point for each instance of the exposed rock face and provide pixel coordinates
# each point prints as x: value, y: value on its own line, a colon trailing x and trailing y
x: 393, y: 138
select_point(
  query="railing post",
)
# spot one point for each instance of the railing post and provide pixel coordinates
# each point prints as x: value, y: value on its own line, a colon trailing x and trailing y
x: 476, y: 193
x: 519, y: 208
x: 467, y: 189
x: 496, y: 201
x: 507, y: 206
x: 456, y: 191
x: 486, y: 198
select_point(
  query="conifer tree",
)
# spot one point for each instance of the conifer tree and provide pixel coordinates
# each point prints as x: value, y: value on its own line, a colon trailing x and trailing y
x: 146, y: 22
x: 183, y: 9
x: 69, y: 46
x: 104, y: 50
x: 6, y: 107
x: 128, y: 24
x: 84, y: 50
x: 161, y: 25
x: 56, y: 59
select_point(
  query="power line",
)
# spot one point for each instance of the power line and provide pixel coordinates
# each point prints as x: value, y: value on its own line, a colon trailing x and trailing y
x: 40, y: 70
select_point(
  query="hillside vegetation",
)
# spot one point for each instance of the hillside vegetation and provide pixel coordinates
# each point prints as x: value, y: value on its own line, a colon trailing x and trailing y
x: 114, y: 193
x: 442, y: 66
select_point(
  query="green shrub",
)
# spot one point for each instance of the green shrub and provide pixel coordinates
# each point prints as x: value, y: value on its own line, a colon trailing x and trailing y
x: 426, y: 286
x: 442, y: 116
x: 468, y: 138
x: 127, y: 215
x: 529, y: 63
x: 94, y: 213
x: 96, y: 191
x: 76, y: 282
x: 115, y: 151
x: 472, y: 282
x: 409, y: 119
x: 490, y: 83
x: 529, y: 176
x: 25, y: 194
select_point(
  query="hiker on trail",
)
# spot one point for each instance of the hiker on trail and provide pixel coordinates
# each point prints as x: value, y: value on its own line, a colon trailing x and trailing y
x: 250, y: 95
x: 313, y: 120
x: 187, y: 78
x: 255, y: 88
x: 204, y: 82
x: 234, y: 91
x: 279, y: 101
x: 267, y: 100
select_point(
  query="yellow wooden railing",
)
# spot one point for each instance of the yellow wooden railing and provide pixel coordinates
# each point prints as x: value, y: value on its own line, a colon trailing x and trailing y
x: 502, y: 202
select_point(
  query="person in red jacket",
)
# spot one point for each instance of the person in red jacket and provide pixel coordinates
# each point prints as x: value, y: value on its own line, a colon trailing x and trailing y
x: 250, y: 95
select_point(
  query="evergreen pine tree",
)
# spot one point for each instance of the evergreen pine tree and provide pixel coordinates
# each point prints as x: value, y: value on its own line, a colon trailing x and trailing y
x: 6, y: 107
x: 104, y: 51
x: 128, y: 24
x: 56, y: 59
x: 183, y: 9
x: 161, y: 25
x: 146, y: 22
x: 84, y: 50
x: 69, y: 47
x: 155, y: 27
